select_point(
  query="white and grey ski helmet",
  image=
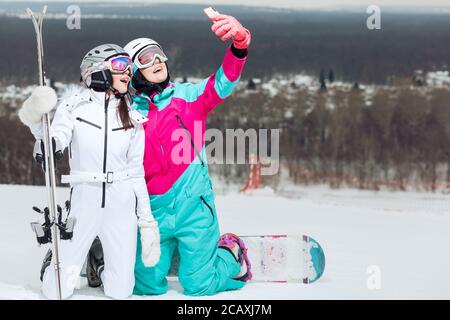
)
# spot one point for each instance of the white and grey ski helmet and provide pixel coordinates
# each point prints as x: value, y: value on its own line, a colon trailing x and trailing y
x: 135, y: 46
x: 94, y: 60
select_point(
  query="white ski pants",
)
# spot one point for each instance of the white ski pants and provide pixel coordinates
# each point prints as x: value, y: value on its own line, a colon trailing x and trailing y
x: 116, y: 226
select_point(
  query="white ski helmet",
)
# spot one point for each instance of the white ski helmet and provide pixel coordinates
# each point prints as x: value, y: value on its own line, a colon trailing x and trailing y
x: 94, y: 61
x: 135, y: 46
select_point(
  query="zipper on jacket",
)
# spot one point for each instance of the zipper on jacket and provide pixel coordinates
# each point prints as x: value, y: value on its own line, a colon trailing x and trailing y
x: 70, y: 150
x: 123, y: 128
x: 209, y: 207
x: 88, y: 122
x: 190, y: 138
x: 165, y: 163
x: 105, y: 147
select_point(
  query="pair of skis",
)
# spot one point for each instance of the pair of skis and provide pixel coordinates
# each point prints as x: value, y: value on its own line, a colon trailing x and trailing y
x: 49, y: 170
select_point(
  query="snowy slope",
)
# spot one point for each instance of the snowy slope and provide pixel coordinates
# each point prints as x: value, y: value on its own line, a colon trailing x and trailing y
x: 406, y: 235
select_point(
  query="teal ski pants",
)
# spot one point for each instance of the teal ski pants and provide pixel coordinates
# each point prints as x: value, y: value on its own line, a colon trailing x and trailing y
x: 188, y: 222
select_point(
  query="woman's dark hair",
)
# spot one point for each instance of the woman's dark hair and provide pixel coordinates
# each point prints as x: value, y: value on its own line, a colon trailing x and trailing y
x: 124, y: 115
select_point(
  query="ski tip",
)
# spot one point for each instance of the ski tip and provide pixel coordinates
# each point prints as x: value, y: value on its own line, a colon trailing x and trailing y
x: 31, y: 13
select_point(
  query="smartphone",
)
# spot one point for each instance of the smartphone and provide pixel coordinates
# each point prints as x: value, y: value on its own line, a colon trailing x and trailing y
x: 211, y: 12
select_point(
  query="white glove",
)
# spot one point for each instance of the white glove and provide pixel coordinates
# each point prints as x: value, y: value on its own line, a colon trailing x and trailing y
x: 151, y: 249
x: 42, y: 100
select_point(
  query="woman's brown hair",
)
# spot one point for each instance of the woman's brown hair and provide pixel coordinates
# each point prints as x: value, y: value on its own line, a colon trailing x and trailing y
x: 124, y: 115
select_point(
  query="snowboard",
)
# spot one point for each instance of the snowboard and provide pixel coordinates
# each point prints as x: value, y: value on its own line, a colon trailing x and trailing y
x: 279, y: 258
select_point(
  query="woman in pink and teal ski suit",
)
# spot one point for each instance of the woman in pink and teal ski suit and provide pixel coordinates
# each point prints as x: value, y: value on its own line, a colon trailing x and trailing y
x: 180, y: 189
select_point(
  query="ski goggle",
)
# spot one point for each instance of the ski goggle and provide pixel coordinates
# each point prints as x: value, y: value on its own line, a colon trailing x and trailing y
x: 120, y: 64
x: 147, y: 57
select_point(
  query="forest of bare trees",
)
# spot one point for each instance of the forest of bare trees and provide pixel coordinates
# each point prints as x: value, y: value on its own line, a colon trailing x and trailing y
x: 396, y: 137
x: 17, y: 165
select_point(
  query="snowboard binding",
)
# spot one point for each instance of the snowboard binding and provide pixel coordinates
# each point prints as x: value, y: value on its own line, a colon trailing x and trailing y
x: 43, y: 231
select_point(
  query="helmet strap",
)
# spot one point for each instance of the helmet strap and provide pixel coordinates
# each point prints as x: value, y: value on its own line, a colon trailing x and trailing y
x: 117, y: 94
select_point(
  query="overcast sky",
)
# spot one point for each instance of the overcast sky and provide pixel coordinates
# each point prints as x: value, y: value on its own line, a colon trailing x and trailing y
x: 291, y: 3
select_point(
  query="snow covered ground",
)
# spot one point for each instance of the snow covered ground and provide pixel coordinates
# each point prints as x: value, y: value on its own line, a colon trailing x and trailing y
x: 397, y: 240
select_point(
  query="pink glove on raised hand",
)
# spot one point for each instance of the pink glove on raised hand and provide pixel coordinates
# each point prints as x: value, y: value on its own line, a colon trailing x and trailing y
x: 226, y: 27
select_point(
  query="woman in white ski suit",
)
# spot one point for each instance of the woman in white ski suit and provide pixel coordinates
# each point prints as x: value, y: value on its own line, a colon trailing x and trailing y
x: 106, y: 176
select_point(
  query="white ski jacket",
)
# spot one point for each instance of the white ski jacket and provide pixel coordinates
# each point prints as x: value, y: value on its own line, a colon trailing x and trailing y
x: 100, y: 149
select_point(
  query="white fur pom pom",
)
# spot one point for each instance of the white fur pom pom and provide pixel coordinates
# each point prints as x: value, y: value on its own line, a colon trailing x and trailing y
x: 42, y: 100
